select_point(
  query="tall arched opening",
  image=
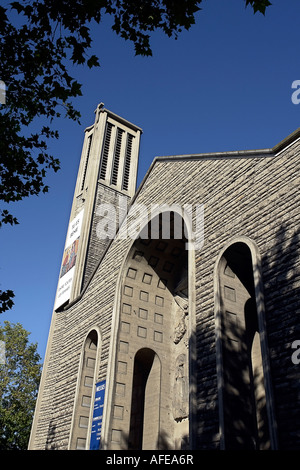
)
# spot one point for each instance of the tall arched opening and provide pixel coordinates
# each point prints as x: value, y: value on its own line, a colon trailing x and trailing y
x: 151, y: 392
x: 80, y: 430
x: 243, y: 374
x: 145, y: 402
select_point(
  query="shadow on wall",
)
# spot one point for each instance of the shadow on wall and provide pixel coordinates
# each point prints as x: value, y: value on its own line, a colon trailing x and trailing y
x: 163, y: 442
x: 280, y: 271
x: 281, y: 268
x: 244, y: 406
x: 50, y: 443
x: 245, y: 414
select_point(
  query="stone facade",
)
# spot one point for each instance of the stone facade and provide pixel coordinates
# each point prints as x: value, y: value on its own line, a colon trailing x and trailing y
x: 160, y: 310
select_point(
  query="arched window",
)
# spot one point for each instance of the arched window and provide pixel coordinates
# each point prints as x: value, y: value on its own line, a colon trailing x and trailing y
x: 85, y: 393
x: 243, y: 374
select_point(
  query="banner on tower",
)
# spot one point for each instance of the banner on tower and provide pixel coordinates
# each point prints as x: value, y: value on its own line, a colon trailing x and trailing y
x: 69, y: 261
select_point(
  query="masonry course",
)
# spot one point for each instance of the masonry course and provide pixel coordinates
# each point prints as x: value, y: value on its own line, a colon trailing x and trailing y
x: 256, y: 196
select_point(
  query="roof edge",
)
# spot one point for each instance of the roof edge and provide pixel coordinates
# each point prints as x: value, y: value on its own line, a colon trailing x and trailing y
x: 122, y: 120
x: 287, y: 141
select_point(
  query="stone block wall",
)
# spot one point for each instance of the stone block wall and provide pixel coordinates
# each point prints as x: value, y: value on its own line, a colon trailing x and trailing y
x: 247, y: 194
x: 97, y: 244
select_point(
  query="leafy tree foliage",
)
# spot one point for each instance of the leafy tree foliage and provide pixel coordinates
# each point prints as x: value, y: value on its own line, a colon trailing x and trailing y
x: 38, y: 40
x: 19, y: 381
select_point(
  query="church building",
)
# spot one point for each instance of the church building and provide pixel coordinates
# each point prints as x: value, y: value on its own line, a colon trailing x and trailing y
x: 176, y: 317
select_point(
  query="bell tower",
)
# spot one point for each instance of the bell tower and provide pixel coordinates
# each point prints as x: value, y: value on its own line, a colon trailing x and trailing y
x: 107, y: 174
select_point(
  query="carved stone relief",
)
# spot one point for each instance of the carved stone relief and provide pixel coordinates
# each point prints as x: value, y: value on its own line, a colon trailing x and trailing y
x: 180, y: 318
x: 181, y: 389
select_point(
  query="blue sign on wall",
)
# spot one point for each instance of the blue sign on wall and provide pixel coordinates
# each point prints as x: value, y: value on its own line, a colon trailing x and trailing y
x: 97, y: 415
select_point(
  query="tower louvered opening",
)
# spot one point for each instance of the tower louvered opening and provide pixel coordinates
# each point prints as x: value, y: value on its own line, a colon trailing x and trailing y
x: 117, y: 153
x: 127, y: 162
x: 86, y: 160
x: 105, y: 152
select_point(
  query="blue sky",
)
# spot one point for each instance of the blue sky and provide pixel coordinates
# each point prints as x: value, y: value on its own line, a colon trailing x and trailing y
x: 224, y: 85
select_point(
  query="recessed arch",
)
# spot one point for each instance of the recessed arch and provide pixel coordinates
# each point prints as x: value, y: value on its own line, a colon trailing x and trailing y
x: 85, y: 390
x: 246, y: 408
x: 155, y: 272
x: 145, y: 401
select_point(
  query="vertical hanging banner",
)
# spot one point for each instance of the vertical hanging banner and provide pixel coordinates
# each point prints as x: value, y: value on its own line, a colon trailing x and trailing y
x: 97, y: 415
x: 69, y: 261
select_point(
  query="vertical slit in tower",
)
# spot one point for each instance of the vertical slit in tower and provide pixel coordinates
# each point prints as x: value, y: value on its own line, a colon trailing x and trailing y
x: 105, y: 152
x: 86, y: 161
x: 117, y: 153
x: 127, y: 162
